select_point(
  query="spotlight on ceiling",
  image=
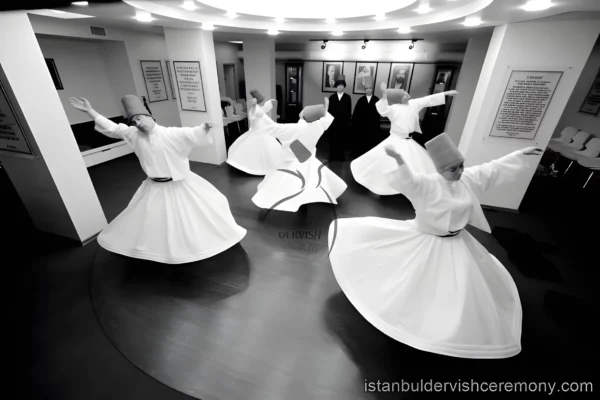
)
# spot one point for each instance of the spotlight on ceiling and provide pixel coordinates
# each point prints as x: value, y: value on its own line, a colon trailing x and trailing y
x: 472, y: 21
x: 379, y: 17
x: 424, y: 9
x: 273, y: 32
x: 337, y: 33
x: 330, y: 21
x: 208, y: 27
x: 324, y: 44
x: 279, y: 20
x: 404, y: 29
x: 231, y: 14
x: 80, y: 3
x: 143, y: 16
x: 364, y: 46
x: 189, y: 5
x: 537, y: 5
x: 412, y: 45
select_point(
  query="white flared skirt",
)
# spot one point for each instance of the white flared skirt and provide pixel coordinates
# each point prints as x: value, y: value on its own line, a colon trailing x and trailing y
x: 448, y: 296
x: 295, y: 184
x: 255, y: 153
x: 375, y: 170
x: 173, y: 223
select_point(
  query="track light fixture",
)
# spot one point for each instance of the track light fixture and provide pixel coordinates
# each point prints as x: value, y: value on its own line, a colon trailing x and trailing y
x: 412, y: 45
x: 364, y: 46
x: 324, y: 44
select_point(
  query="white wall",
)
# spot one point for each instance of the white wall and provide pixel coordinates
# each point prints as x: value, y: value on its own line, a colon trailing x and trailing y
x: 571, y: 116
x: 55, y: 188
x: 556, y: 45
x: 466, y: 85
x: 227, y: 53
x: 82, y: 70
x: 139, y: 45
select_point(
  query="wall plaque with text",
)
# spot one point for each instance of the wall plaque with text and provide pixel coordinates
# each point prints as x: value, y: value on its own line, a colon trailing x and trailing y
x: 524, y: 103
x: 155, y: 81
x: 13, y: 138
x: 189, y: 85
x: 591, y: 104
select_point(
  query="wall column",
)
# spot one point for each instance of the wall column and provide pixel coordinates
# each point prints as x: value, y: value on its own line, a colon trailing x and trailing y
x: 259, y: 67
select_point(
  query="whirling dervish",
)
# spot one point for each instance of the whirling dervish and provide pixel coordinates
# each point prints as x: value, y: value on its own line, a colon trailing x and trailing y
x: 301, y: 178
x: 257, y: 152
x: 175, y: 216
x: 427, y: 282
x: 374, y: 170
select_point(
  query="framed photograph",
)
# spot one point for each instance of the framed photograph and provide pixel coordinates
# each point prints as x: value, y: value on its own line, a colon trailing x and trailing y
x: 442, y: 79
x: 155, y: 81
x: 188, y: 78
x: 400, y: 76
x: 591, y: 104
x: 168, y: 64
x: 364, y: 69
x: 331, y: 71
x: 54, y: 73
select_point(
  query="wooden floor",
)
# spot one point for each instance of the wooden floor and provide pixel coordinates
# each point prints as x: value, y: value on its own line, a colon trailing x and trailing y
x: 266, y: 319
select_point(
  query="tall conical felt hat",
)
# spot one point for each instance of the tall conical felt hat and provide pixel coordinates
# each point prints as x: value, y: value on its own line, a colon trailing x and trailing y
x: 368, y: 82
x: 341, y: 80
x: 313, y: 113
x: 133, y: 106
x: 256, y: 94
x: 443, y: 152
x: 395, y: 96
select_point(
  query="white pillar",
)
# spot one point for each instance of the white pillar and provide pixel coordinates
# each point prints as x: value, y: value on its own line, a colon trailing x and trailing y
x: 55, y: 187
x: 259, y: 67
x: 531, y: 46
x: 198, y: 45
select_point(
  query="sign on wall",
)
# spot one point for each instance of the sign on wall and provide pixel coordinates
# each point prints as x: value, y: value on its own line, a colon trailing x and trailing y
x: 12, y: 129
x: 524, y: 103
x: 189, y: 85
x: 591, y: 104
x: 155, y: 81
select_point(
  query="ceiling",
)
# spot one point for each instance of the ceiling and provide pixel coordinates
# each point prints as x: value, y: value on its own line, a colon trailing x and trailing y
x: 444, y: 23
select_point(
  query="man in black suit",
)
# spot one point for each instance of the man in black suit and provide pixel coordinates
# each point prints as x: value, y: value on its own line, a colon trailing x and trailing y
x: 366, y: 122
x: 340, y: 107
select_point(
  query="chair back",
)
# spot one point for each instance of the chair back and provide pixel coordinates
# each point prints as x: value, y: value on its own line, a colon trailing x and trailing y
x: 567, y: 134
x: 579, y: 140
x: 229, y: 111
x: 239, y: 109
x: 592, y: 148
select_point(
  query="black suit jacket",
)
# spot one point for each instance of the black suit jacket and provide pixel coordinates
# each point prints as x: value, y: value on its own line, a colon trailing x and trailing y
x: 366, y: 122
x: 341, y: 110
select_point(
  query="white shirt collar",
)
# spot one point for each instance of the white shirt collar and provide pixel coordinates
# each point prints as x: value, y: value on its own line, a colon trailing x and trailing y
x: 369, y: 98
x: 340, y: 95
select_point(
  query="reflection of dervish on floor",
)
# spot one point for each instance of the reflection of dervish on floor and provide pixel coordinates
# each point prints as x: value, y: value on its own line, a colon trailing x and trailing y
x: 257, y: 152
x: 301, y: 178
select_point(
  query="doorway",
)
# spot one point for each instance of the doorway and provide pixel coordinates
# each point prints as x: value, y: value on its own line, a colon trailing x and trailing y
x: 293, y: 91
x: 230, y: 81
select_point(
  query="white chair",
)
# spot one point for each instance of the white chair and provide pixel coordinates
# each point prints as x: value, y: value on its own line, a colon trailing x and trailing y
x: 593, y: 164
x: 591, y: 150
x: 577, y: 143
x: 566, y: 136
x: 229, y: 112
x: 239, y: 109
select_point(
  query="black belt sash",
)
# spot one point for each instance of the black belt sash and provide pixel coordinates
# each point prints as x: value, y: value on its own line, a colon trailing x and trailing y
x: 161, y: 179
x: 410, y: 135
x: 450, y: 234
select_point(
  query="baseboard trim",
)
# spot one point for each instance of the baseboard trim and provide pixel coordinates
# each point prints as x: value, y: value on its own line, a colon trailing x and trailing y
x: 90, y: 239
x: 494, y: 208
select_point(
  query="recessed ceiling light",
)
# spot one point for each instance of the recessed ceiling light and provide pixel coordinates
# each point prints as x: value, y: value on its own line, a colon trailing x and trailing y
x: 189, y: 5
x: 236, y: 41
x: 59, y: 14
x: 404, y: 30
x: 58, y: 11
x: 279, y: 20
x: 472, y: 21
x: 424, y: 9
x: 231, y: 14
x: 208, y: 27
x: 537, y: 5
x: 273, y: 32
x: 379, y: 17
x: 80, y: 3
x: 144, y: 16
x: 330, y: 20
x: 337, y: 33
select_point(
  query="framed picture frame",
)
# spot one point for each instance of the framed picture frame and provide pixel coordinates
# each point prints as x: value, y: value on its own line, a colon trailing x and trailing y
x: 169, y: 73
x: 54, y: 73
x: 362, y: 70
x: 400, y: 76
x: 442, y: 79
x: 155, y: 81
x: 331, y: 71
x: 591, y: 103
x: 188, y: 78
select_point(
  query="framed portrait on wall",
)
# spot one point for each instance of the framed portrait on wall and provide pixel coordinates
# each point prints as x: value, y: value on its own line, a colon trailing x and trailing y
x: 442, y: 79
x: 364, y: 69
x: 331, y: 71
x: 400, y: 76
